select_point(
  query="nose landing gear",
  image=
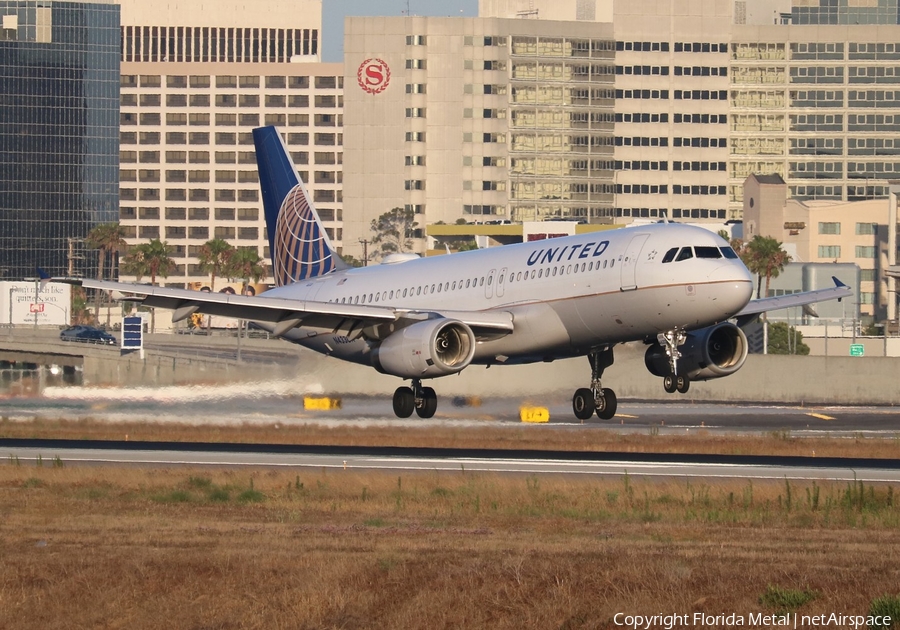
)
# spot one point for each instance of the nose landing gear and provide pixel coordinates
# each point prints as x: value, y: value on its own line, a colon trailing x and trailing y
x: 597, y: 398
x: 670, y: 340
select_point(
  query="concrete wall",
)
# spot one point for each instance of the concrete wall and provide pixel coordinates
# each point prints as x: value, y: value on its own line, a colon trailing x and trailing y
x: 795, y: 380
x: 763, y: 379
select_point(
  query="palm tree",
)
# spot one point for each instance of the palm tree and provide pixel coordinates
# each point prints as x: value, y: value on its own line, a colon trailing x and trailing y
x: 246, y: 265
x: 213, y: 259
x: 764, y: 256
x: 149, y: 259
x: 109, y: 238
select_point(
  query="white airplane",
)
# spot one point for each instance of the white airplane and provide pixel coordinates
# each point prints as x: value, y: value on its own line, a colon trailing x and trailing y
x: 675, y: 287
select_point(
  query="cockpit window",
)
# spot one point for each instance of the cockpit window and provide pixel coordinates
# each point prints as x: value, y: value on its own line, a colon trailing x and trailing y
x: 684, y: 254
x: 729, y: 253
x: 670, y: 255
x: 708, y: 252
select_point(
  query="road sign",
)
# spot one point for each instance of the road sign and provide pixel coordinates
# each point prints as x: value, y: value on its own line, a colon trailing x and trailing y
x: 132, y: 333
x: 857, y: 350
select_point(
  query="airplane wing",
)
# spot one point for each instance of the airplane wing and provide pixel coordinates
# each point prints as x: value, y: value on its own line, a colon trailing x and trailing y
x: 755, y: 307
x: 285, y: 314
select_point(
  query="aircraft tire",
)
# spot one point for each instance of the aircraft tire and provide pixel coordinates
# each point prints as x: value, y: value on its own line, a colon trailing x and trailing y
x: 610, y: 404
x: 583, y: 403
x: 404, y: 402
x: 669, y: 384
x: 429, y: 403
x: 682, y: 384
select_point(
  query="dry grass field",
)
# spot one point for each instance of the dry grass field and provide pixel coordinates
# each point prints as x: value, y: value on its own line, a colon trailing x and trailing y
x: 102, y: 547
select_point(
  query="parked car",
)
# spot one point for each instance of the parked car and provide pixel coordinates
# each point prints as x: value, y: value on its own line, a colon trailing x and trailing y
x: 87, y: 334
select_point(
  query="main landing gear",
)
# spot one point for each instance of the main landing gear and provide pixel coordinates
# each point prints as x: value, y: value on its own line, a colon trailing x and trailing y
x: 596, y: 398
x: 674, y: 382
x: 420, y: 399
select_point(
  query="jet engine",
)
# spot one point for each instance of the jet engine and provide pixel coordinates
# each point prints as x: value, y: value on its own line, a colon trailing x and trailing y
x: 707, y: 353
x: 435, y: 347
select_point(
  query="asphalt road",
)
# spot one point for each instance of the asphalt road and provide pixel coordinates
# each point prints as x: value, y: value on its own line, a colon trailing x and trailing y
x: 276, y: 403
x: 417, y: 459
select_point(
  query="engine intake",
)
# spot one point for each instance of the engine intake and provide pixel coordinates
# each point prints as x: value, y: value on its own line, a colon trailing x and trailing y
x: 436, y: 347
x: 707, y: 353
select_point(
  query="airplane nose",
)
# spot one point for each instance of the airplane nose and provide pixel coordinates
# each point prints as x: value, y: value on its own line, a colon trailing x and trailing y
x: 734, y: 286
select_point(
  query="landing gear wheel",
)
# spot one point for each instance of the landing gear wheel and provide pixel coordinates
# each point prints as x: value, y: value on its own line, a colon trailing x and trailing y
x: 607, y: 405
x: 682, y: 384
x: 429, y: 403
x: 583, y: 403
x: 404, y: 402
x: 670, y: 384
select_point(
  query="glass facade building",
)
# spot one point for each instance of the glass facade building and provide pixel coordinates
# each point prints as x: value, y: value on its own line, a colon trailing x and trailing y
x: 59, y: 133
x: 844, y: 12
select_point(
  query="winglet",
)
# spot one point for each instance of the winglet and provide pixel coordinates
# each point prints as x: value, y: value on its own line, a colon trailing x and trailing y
x: 44, y: 277
x: 838, y: 284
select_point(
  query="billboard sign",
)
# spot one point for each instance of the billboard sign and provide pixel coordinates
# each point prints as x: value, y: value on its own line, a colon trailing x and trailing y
x: 29, y: 303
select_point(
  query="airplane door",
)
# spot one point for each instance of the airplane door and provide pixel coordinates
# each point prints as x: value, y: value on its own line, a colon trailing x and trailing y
x: 501, y: 282
x: 629, y: 262
x: 489, y: 284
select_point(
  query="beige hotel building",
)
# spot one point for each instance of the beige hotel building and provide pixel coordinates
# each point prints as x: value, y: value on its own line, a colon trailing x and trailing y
x: 617, y: 110
x: 196, y: 78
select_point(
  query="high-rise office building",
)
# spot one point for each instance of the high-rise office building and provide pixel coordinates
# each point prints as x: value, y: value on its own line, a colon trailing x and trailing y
x: 59, y: 110
x: 481, y: 119
x: 844, y: 12
x: 194, y: 85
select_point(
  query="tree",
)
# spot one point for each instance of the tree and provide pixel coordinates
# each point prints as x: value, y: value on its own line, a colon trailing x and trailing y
x: 108, y: 238
x: 246, y: 265
x: 149, y: 259
x: 786, y: 340
x: 764, y: 256
x: 213, y: 259
x: 351, y: 260
x: 394, y: 230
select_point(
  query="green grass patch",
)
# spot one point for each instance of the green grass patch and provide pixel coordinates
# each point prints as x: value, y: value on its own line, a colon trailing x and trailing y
x: 886, y: 606
x: 173, y: 496
x: 200, y: 483
x: 251, y: 496
x: 219, y: 495
x: 784, y: 600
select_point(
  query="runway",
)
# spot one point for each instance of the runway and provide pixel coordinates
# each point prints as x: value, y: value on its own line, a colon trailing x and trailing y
x: 449, y: 460
x: 276, y: 403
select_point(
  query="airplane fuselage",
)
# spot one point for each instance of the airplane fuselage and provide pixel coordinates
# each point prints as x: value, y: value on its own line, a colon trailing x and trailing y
x: 566, y: 295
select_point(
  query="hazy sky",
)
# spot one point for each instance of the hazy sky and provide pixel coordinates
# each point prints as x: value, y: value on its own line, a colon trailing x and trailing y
x: 334, y: 11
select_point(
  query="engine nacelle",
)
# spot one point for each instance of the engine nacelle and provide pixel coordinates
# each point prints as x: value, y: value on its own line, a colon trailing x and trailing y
x: 435, y: 347
x: 708, y: 353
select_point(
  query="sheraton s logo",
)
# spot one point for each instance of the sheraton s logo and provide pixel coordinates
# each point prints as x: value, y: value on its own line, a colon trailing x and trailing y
x: 373, y: 76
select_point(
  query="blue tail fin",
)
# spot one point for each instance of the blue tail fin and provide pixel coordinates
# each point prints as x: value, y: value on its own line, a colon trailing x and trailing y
x: 299, y: 246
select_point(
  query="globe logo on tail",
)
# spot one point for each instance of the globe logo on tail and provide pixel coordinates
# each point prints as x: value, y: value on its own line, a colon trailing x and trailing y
x: 302, y: 249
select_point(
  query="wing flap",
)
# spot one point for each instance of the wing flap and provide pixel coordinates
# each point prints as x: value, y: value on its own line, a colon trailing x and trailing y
x: 285, y: 314
x: 257, y: 308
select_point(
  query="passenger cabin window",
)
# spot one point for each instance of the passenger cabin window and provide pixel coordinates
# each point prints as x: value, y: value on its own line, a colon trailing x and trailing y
x: 670, y: 255
x: 729, y: 253
x: 708, y: 252
x: 684, y: 254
